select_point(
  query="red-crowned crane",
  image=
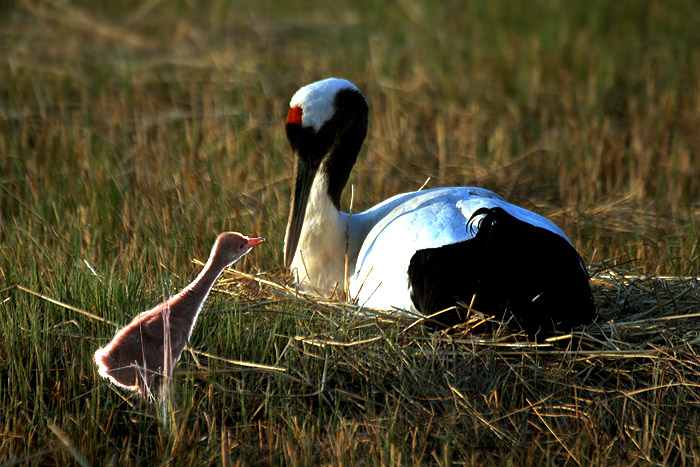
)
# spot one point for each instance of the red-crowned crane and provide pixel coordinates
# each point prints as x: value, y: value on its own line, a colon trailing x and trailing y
x: 423, y: 251
x: 150, y: 346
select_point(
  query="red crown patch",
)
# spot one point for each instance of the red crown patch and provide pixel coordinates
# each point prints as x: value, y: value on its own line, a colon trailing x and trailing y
x: 294, y: 115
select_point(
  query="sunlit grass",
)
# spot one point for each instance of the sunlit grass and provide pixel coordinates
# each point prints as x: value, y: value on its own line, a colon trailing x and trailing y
x: 133, y: 133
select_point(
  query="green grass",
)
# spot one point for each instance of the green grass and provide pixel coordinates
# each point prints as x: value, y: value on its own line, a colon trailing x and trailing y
x: 132, y: 133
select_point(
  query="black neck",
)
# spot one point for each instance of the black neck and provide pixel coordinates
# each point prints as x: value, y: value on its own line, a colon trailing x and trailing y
x: 351, y: 126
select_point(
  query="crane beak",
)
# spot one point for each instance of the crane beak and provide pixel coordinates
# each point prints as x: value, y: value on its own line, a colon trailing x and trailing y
x: 252, y: 241
x: 304, y: 174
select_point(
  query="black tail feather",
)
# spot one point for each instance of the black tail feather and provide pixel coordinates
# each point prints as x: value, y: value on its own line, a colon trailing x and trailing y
x: 511, y: 269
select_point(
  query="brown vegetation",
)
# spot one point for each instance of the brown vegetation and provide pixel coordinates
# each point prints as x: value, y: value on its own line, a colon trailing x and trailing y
x: 132, y: 133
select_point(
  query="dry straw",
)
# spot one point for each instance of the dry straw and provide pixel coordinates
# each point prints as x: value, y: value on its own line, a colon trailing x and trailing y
x: 636, y: 312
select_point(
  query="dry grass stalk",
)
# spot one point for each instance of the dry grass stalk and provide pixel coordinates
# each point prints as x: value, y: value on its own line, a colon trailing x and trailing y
x: 635, y: 312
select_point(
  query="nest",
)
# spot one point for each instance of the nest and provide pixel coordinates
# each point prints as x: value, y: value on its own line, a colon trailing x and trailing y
x: 637, y: 311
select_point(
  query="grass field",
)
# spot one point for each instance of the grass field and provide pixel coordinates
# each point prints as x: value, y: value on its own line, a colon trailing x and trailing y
x: 131, y: 133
